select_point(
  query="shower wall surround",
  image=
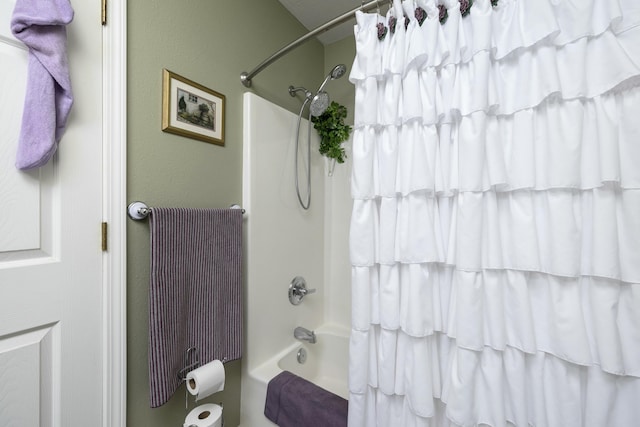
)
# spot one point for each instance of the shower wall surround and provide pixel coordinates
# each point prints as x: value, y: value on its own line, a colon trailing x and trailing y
x: 284, y: 241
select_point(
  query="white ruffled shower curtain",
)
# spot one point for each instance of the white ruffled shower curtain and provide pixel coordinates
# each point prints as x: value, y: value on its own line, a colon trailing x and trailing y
x: 495, y: 233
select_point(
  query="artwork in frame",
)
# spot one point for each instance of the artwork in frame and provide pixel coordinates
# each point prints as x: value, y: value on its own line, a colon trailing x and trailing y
x: 192, y: 110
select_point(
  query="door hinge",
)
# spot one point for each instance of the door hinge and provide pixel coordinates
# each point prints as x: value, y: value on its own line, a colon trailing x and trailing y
x: 104, y: 236
x: 104, y: 13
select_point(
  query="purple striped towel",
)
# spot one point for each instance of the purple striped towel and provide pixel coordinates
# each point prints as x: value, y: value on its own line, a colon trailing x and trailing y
x: 195, y: 294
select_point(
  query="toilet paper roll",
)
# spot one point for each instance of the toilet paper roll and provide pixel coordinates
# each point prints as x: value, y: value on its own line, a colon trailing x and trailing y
x: 209, y: 415
x: 206, y: 380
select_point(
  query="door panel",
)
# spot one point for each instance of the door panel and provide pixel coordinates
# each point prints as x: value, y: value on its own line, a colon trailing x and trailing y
x: 27, y: 369
x: 18, y: 191
x: 50, y: 256
x: 26, y: 197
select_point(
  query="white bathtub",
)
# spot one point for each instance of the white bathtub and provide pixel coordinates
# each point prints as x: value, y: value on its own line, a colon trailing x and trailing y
x: 326, y: 366
x: 327, y: 361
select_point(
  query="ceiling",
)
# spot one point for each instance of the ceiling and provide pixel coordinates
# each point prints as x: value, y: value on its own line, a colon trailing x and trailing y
x: 313, y: 13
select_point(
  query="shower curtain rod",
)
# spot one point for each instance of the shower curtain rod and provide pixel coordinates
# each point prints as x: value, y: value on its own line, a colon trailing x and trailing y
x: 245, y: 77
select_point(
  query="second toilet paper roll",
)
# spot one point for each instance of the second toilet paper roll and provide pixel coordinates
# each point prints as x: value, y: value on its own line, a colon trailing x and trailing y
x: 209, y: 415
x: 206, y: 380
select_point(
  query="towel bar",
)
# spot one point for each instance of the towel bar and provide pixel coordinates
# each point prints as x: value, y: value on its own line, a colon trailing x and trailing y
x: 139, y: 210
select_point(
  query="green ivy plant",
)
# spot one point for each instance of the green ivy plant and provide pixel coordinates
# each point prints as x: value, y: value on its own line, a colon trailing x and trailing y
x: 333, y: 131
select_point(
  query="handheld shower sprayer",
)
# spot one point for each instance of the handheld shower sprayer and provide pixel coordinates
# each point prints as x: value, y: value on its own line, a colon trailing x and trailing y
x: 321, y: 100
x: 337, y: 72
x: 318, y: 103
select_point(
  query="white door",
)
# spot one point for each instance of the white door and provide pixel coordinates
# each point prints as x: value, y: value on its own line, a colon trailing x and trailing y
x: 50, y: 255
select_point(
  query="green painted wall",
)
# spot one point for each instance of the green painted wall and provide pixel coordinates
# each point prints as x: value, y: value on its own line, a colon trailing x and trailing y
x: 210, y: 42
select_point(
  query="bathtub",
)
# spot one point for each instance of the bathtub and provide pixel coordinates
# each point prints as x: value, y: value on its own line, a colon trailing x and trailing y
x: 326, y: 362
x: 326, y: 366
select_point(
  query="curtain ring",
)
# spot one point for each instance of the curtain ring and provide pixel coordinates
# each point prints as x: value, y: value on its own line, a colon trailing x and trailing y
x: 378, y: 6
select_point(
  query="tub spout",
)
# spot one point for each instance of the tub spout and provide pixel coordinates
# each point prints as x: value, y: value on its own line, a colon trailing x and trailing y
x: 303, y: 334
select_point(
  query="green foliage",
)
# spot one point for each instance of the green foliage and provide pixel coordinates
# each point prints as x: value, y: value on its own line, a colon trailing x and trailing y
x: 333, y: 131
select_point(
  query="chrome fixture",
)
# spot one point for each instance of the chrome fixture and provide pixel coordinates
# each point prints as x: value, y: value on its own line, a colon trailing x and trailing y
x: 318, y: 103
x: 301, y: 356
x: 308, y: 96
x: 294, y: 90
x: 303, y: 334
x: 321, y: 100
x: 298, y: 290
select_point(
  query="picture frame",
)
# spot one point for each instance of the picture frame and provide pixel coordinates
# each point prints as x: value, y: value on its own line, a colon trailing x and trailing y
x: 192, y: 110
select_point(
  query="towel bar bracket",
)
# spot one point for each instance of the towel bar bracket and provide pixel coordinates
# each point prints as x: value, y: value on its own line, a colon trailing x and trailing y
x: 138, y: 210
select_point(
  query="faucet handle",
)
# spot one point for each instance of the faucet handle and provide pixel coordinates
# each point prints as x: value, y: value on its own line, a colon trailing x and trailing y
x: 298, y: 290
x: 305, y: 291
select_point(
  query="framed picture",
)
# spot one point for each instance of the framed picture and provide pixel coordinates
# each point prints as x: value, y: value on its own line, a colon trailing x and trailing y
x: 192, y: 110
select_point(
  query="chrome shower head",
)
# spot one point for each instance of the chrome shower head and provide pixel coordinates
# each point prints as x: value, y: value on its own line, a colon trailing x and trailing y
x: 321, y: 100
x: 319, y: 103
x: 337, y: 72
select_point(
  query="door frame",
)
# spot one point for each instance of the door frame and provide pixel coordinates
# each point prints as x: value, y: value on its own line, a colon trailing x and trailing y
x: 114, y: 279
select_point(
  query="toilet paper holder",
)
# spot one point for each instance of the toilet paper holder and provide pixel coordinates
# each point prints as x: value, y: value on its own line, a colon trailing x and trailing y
x: 191, y: 362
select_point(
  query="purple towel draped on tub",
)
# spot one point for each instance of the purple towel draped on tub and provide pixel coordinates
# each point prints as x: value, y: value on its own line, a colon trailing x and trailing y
x: 293, y: 402
x: 41, y: 26
x: 195, y: 294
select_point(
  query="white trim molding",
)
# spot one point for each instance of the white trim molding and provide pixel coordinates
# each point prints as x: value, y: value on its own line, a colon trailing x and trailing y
x: 114, y: 95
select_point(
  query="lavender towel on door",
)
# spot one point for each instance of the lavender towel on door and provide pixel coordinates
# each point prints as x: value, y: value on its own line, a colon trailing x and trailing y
x: 41, y: 26
x: 195, y: 294
x: 293, y: 402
